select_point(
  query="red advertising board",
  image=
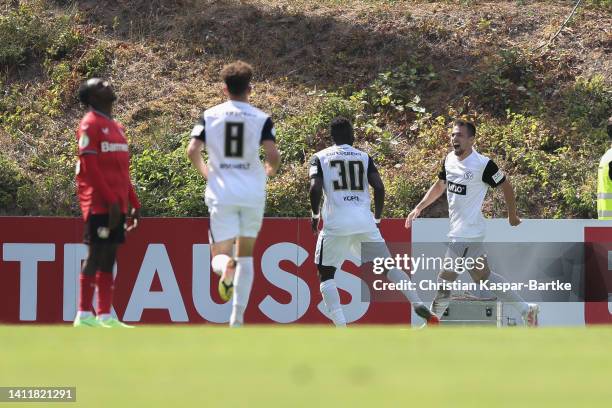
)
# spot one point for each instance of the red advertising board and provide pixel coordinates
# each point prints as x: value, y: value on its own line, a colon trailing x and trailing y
x: 163, y: 274
x: 598, y: 275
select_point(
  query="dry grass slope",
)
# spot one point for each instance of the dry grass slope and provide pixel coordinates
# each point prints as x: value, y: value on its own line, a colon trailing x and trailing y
x: 399, y: 69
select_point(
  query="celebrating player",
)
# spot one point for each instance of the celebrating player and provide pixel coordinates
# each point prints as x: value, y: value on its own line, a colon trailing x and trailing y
x: 236, y: 190
x: 105, y: 190
x: 466, y: 176
x: 341, y: 173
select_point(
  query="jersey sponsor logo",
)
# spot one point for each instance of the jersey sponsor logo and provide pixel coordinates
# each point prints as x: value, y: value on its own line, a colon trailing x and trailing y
x: 456, y: 188
x: 468, y: 175
x: 351, y: 198
x: 107, y: 147
x: 498, y: 176
x: 83, y: 140
x: 237, y: 166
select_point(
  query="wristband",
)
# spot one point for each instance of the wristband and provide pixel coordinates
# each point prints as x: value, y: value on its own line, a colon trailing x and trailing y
x: 377, y: 220
x: 315, y: 216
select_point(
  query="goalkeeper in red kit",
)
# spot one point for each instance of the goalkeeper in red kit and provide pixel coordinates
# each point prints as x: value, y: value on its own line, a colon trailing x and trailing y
x: 105, y: 193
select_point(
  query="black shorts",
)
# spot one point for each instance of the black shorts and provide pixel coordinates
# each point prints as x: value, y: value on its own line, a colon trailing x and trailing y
x: 96, y: 230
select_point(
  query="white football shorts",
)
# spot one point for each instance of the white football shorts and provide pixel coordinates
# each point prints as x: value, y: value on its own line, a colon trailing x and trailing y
x: 465, y: 248
x: 232, y: 221
x: 333, y: 250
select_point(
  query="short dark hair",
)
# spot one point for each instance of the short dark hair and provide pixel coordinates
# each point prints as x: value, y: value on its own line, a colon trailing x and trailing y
x: 237, y: 76
x: 610, y: 127
x: 84, y: 90
x: 341, y: 130
x: 469, y: 125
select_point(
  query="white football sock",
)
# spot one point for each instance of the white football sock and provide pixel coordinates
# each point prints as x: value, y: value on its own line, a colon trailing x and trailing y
x: 441, y: 301
x: 331, y: 298
x: 84, y: 314
x: 510, y: 297
x: 243, y: 281
x: 104, y: 316
x: 219, y: 264
x: 397, y: 276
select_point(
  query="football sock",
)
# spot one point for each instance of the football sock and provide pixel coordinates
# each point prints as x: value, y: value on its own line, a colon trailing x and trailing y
x: 219, y: 263
x: 398, y: 276
x: 441, y: 301
x: 510, y: 296
x: 104, y: 281
x: 88, y: 285
x: 82, y: 314
x: 331, y: 298
x: 243, y: 281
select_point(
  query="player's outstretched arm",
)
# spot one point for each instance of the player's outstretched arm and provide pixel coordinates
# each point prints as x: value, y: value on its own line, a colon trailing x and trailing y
x: 434, y: 192
x: 513, y: 217
x: 379, y: 194
x: 272, y: 157
x: 194, y: 152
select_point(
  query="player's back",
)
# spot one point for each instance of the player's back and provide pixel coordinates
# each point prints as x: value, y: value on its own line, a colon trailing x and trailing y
x: 346, y: 207
x: 234, y: 131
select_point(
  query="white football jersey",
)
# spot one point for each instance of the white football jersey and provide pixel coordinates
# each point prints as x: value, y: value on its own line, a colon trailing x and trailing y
x: 467, y: 182
x: 233, y: 132
x: 346, y: 206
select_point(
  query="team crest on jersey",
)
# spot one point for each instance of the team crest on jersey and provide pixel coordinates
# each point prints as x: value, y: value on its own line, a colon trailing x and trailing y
x: 105, y: 131
x: 468, y: 175
x: 83, y: 140
x: 456, y: 188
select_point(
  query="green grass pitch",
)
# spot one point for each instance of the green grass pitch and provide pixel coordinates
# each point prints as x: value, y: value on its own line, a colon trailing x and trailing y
x: 312, y: 366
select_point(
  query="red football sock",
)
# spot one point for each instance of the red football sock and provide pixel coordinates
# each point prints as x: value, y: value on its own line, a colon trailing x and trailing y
x: 104, y: 280
x: 88, y: 285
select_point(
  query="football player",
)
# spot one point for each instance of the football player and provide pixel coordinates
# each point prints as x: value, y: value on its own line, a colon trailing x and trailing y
x: 105, y: 193
x: 342, y: 174
x: 232, y: 134
x: 466, y: 175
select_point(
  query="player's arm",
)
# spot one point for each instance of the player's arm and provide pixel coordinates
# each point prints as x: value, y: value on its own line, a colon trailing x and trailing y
x: 494, y: 177
x: 378, y: 186
x: 272, y: 157
x: 315, y: 193
x: 509, y: 197
x: 194, y: 149
x: 268, y: 141
x: 434, y: 192
x: 135, y: 204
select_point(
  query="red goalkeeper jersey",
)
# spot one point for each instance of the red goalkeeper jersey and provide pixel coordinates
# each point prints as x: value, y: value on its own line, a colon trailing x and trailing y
x: 103, y: 169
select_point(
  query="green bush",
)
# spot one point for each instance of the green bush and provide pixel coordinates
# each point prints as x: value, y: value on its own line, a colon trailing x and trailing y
x: 287, y: 193
x: 298, y: 136
x: 505, y: 83
x: 11, y: 180
x: 27, y: 32
x: 588, y: 102
x: 65, y: 40
x: 95, y: 61
x: 167, y: 184
x: 23, y: 34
